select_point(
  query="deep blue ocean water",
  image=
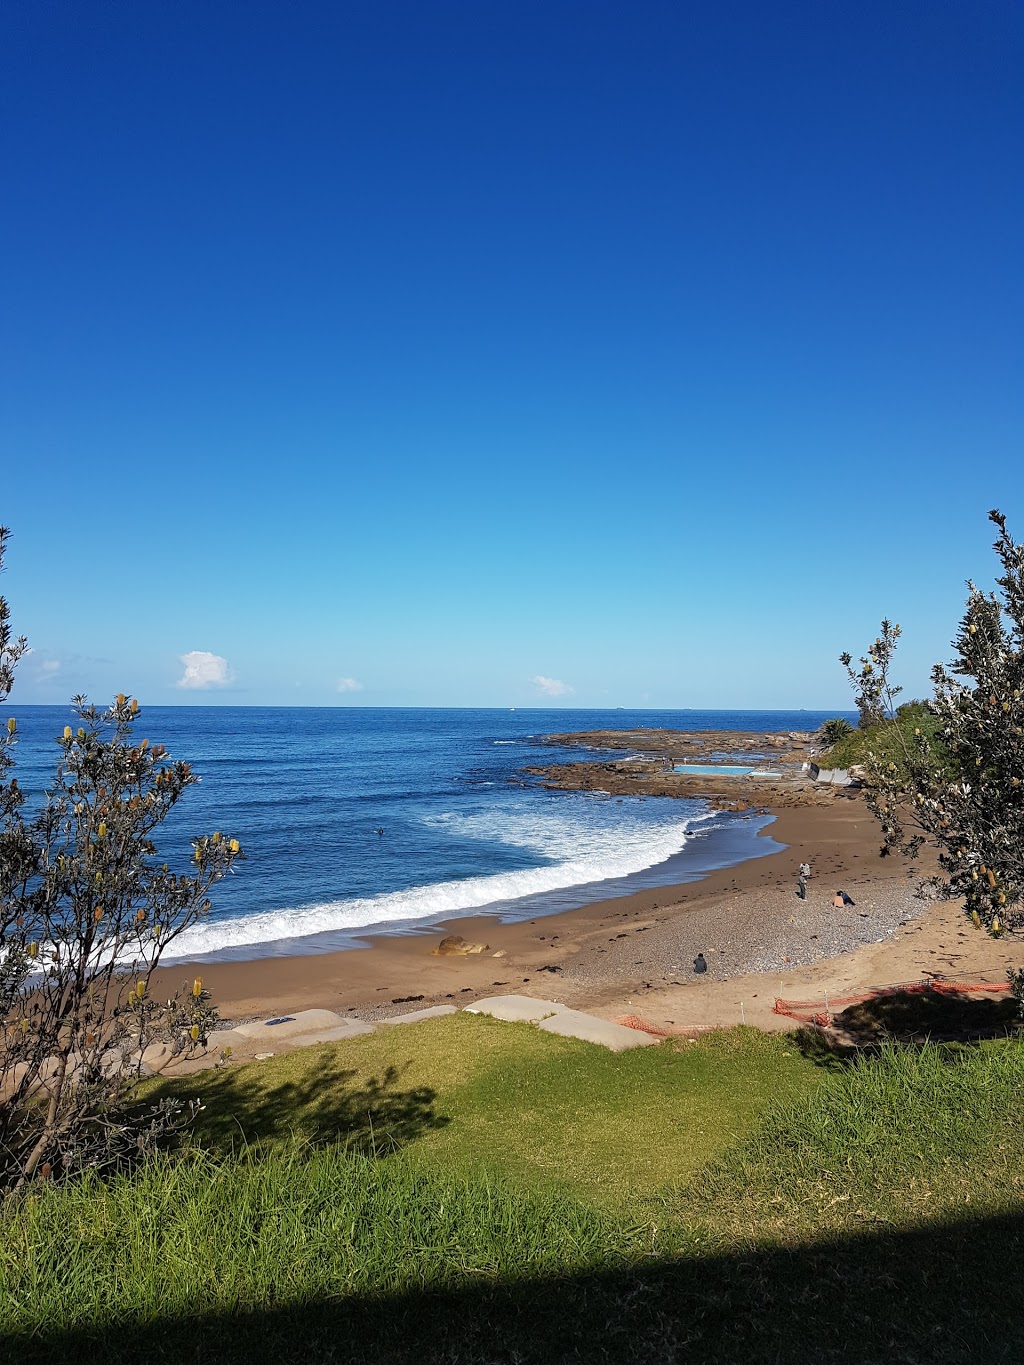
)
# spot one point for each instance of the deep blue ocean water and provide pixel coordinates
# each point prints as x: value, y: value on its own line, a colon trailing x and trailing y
x: 305, y: 789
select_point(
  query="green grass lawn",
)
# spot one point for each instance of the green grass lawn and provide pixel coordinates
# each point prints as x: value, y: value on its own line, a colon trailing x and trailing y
x: 472, y: 1193
x: 468, y: 1091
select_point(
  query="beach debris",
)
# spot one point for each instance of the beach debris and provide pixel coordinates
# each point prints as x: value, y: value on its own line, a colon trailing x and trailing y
x: 500, y: 953
x: 406, y: 999
x: 456, y: 946
x: 549, y: 968
x: 700, y: 965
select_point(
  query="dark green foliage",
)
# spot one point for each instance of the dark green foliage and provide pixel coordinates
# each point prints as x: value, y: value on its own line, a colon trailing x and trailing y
x: 834, y: 730
x: 889, y: 741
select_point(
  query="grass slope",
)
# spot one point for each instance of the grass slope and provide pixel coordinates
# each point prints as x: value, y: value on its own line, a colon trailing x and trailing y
x: 473, y: 1092
x: 889, y: 742
x: 873, y: 1216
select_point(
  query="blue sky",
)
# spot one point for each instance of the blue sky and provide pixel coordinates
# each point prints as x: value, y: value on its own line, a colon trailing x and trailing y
x: 472, y: 354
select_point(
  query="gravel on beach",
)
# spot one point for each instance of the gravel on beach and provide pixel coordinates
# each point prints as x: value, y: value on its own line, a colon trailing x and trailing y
x: 765, y: 930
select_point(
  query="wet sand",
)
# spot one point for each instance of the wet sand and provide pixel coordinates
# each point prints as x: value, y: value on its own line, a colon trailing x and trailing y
x: 635, y: 953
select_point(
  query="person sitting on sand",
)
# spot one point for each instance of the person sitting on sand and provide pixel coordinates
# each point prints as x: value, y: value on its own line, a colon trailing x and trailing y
x: 841, y: 900
x: 700, y: 966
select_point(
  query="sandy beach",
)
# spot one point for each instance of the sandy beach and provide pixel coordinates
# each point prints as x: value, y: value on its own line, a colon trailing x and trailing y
x: 634, y: 954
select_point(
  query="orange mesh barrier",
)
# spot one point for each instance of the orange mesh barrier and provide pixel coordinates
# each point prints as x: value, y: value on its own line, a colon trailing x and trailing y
x: 661, y: 1030
x: 822, y: 1012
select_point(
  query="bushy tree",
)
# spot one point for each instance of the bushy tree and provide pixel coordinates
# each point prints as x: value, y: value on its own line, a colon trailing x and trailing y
x: 875, y: 695
x: 962, y: 789
x: 86, y: 912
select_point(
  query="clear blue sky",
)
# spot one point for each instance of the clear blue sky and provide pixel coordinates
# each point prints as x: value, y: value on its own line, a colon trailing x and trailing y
x: 654, y: 350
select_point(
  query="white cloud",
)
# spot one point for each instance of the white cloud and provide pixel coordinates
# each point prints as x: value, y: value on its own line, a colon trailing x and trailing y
x: 349, y: 685
x: 203, y: 669
x: 551, y: 687
x: 50, y: 666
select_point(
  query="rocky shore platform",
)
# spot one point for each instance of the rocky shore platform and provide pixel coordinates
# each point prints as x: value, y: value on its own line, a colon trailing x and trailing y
x: 650, y: 769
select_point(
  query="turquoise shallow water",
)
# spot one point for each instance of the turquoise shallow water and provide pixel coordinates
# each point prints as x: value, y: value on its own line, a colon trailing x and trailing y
x: 305, y: 789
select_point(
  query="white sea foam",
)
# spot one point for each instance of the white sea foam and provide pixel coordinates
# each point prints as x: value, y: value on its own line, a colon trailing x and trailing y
x: 579, y: 852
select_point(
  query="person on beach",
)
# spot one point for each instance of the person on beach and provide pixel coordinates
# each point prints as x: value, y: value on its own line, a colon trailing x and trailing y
x: 805, y: 872
x: 700, y: 966
x: 801, y: 887
x: 841, y: 900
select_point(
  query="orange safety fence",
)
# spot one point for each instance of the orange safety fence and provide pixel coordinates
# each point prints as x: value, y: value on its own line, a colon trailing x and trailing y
x: 661, y: 1030
x: 824, y: 1010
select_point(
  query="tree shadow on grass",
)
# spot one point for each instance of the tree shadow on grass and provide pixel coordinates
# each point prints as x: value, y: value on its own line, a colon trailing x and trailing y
x: 911, y: 1019
x: 328, y: 1103
x: 940, y: 1295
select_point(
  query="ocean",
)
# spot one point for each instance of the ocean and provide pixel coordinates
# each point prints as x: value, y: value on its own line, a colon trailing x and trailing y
x: 464, y: 831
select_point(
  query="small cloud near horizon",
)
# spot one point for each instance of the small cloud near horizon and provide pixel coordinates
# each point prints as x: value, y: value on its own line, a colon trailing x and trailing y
x: 349, y: 685
x: 203, y: 669
x: 551, y: 687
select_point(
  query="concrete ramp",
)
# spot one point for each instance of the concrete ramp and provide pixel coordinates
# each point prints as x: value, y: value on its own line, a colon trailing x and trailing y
x: 576, y: 1024
x: 515, y: 1009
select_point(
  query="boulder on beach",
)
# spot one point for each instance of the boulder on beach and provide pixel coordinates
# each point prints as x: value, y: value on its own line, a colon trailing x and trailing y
x: 456, y: 946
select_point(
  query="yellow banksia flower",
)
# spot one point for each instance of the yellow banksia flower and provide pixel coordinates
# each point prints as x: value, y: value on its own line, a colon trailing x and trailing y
x: 67, y: 732
x: 12, y: 725
x: 217, y: 837
x: 140, y: 989
x: 997, y: 927
x: 973, y: 628
x: 193, y: 1033
x: 135, y: 704
x: 33, y: 950
x: 120, y: 698
x: 197, y: 987
x: 234, y: 846
x: 102, y: 829
x: 975, y: 919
